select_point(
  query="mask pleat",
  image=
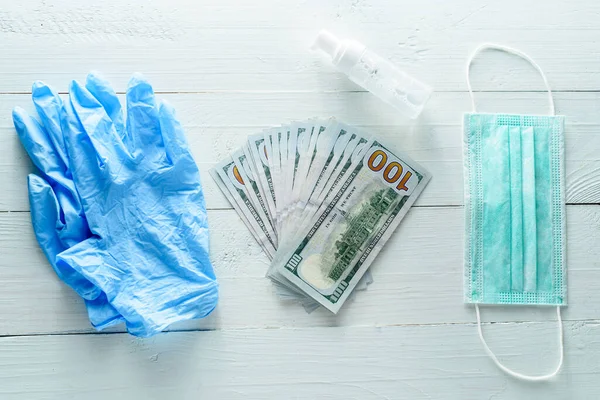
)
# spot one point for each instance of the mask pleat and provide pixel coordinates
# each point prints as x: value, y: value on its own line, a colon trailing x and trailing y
x: 496, y: 209
x: 543, y: 209
x: 516, y: 209
x: 529, y: 209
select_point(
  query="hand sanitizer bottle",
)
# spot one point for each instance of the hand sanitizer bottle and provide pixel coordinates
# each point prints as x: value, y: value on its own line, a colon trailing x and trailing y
x: 375, y: 74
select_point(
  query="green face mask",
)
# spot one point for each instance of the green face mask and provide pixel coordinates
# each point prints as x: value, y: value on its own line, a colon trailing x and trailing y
x: 515, y: 209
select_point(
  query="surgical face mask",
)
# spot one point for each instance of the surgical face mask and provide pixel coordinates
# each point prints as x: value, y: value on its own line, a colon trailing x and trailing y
x: 515, y: 210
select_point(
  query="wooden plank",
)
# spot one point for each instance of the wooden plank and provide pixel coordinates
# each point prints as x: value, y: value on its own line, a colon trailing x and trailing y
x: 232, y: 67
x: 216, y: 123
x: 187, y: 46
x: 416, y: 362
x: 418, y: 280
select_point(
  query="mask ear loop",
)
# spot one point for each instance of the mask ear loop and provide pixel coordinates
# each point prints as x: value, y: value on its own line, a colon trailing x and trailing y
x: 511, y: 51
x: 559, y: 319
x: 518, y: 375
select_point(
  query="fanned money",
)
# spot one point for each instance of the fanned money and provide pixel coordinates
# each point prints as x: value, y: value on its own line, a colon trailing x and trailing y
x: 321, y: 198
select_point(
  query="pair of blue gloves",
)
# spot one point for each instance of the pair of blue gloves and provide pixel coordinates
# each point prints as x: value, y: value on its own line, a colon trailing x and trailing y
x: 118, y: 206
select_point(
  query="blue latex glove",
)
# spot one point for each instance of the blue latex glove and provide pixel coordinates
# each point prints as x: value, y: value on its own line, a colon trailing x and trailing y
x: 141, y: 193
x: 56, y: 211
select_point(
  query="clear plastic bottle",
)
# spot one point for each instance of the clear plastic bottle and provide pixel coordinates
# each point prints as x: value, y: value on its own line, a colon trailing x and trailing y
x: 375, y: 74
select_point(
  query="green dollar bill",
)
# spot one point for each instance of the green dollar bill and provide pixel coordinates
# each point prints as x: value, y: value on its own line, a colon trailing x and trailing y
x: 259, y: 154
x: 217, y: 178
x: 273, y: 138
x: 234, y: 183
x: 253, y: 191
x: 307, y: 153
x: 349, y: 229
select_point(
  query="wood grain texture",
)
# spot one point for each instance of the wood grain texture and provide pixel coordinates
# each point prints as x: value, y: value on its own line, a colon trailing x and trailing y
x: 233, y: 67
x: 418, y: 280
x: 190, y: 46
x: 367, y: 363
x: 217, y: 123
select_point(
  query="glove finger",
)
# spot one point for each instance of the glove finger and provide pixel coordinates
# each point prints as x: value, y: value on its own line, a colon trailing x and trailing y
x: 85, y: 162
x: 97, y: 124
x: 100, y: 88
x: 49, y: 107
x: 176, y: 144
x: 71, y: 214
x: 88, y: 258
x: 102, y: 314
x: 38, y: 145
x: 143, y: 124
x: 46, y: 221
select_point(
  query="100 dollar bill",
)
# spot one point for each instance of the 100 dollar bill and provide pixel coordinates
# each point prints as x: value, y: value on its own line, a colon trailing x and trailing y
x: 229, y: 179
x: 347, y: 232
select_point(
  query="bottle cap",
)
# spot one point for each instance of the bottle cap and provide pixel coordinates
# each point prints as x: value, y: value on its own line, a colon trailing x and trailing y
x: 326, y: 42
x: 344, y: 54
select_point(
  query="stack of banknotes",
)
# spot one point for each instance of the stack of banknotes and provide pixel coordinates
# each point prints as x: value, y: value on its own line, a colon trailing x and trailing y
x: 321, y: 198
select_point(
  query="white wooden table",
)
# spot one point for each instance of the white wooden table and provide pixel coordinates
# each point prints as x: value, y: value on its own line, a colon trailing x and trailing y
x: 232, y: 67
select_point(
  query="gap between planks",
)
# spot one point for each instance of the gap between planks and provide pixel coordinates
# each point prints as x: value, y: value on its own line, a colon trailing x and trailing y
x: 292, y: 328
x: 225, y: 91
x: 414, y: 206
